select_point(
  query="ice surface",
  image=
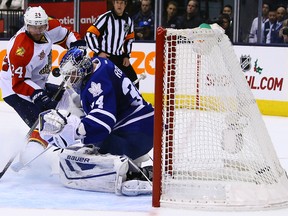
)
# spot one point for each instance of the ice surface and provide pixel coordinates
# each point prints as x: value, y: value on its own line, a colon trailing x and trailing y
x: 36, y: 192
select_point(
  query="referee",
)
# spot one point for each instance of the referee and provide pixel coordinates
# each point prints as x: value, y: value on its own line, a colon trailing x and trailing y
x: 112, y: 35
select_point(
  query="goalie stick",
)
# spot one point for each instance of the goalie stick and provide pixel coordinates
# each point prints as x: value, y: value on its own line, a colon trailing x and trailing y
x: 61, y: 86
x: 19, y: 166
x: 139, y: 170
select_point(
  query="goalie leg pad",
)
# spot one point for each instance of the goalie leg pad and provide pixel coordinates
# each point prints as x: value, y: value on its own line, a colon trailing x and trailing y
x: 94, y: 172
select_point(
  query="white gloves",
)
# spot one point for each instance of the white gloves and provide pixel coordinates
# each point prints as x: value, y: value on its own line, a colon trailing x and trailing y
x: 52, y: 121
x: 59, y: 128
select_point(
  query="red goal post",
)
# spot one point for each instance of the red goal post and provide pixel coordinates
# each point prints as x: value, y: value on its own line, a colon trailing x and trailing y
x: 211, y: 147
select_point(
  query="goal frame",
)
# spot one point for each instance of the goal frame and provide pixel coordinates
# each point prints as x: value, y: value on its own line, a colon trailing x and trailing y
x: 158, y: 124
x: 160, y: 101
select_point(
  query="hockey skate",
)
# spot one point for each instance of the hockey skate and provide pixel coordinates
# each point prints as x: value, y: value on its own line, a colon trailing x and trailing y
x: 136, y: 187
x: 138, y: 183
x: 145, y: 174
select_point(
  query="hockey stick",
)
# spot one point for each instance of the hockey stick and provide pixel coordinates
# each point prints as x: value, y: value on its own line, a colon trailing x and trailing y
x: 7, y: 165
x: 142, y: 77
x: 61, y: 86
x: 137, y: 168
x: 18, y: 166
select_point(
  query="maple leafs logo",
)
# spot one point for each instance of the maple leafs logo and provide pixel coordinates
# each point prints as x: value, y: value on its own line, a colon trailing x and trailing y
x: 95, y: 89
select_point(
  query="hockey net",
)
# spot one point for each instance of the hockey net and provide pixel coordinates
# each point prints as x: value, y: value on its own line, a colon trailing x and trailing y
x: 211, y: 146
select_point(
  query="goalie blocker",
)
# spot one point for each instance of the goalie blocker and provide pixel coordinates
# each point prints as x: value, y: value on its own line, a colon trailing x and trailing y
x: 85, y: 169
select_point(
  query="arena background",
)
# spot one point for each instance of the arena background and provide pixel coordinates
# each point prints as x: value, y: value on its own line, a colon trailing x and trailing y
x: 265, y: 67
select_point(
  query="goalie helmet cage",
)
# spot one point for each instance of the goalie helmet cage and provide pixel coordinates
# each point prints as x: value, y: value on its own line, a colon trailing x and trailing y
x: 211, y: 147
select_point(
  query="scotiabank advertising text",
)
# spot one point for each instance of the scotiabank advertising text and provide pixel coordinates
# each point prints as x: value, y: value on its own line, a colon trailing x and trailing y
x: 64, y: 12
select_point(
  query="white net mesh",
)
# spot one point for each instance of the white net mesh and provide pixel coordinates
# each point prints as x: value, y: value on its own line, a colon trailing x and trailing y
x: 215, y: 149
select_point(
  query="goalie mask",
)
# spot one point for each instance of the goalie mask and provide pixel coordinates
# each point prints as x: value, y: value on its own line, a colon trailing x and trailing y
x: 75, y: 65
x: 36, y: 17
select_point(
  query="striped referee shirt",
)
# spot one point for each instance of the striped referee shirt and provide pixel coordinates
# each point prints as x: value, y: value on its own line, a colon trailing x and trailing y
x: 111, y: 34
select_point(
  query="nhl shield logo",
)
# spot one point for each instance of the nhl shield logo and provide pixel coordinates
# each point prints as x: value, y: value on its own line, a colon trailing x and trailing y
x: 126, y: 27
x: 245, y: 62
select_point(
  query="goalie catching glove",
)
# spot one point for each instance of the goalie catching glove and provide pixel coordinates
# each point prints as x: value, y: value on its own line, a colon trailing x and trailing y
x: 60, y: 128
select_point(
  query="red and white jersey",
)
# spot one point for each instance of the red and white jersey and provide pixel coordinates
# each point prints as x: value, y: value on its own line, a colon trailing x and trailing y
x: 30, y: 62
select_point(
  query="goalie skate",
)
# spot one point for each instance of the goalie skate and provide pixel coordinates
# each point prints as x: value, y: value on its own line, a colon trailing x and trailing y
x: 136, y: 187
x: 144, y: 174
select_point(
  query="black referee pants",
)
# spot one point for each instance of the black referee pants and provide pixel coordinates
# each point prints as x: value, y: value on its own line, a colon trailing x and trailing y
x: 128, y: 71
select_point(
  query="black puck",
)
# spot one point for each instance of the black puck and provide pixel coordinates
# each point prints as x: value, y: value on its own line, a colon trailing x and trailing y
x: 56, y: 72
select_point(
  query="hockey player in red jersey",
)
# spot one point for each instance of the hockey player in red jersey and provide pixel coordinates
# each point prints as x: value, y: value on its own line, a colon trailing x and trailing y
x: 29, y: 59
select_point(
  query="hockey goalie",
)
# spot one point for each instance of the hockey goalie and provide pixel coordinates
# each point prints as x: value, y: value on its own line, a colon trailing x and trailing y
x: 115, y: 130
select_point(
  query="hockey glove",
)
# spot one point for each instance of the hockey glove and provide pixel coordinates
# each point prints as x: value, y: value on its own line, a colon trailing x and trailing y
x: 52, y: 121
x: 59, y: 127
x: 80, y: 44
x: 42, y: 100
